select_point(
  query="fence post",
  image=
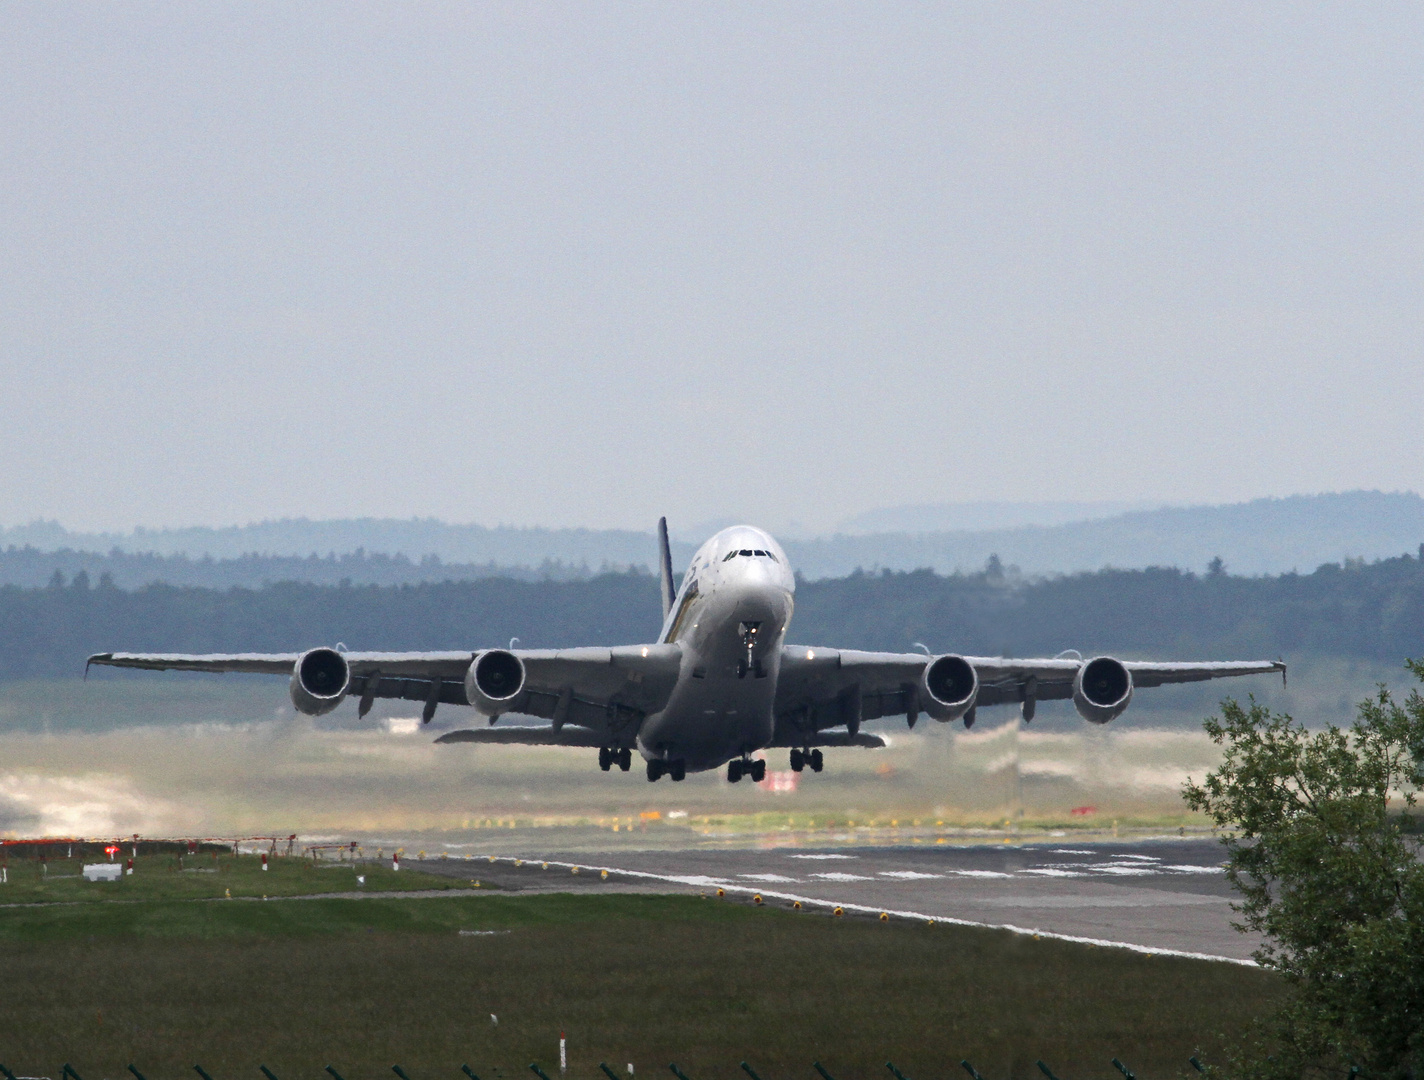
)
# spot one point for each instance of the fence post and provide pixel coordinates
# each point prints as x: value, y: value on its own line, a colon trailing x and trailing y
x: 201, y: 1072
x: 136, y: 1073
x: 466, y: 1070
x: 971, y: 1070
x: 822, y: 1070
x: 1046, y: 1071
x: 897, y: 1073
x: 677, y: 1072
x: 540, y: 1073
x: 607, y: 1071
x: 750, y: 1071
x: 335, y: 1075
x: 399, y: 1072
x: 68, y: 1070
x: 267, y: 1072
x: 1126, y: 1072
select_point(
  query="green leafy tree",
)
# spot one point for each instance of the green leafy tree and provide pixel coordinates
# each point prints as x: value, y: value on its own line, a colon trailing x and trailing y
x: 1327, y: 864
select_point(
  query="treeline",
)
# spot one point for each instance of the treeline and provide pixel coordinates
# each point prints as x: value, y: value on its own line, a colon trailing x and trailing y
x: 1367, y: 611
x: 29, y: 566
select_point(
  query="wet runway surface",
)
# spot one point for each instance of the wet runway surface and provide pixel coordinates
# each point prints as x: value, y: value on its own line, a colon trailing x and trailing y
x: 1163, y: 895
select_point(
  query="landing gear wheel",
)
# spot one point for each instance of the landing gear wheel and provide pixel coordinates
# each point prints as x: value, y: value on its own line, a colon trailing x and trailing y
x: 625, y: 758
x: 757, y: 770
x: 798, y: 760
x: 816, y: 761
x: 741, y: 669
x: 656, y: 769
x: 677, y: 770
x: 734, y: 771
x: 605, y: 758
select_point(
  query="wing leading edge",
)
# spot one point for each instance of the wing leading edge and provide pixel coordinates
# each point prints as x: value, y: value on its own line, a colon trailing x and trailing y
x: 608, y: 691
x: 821, y: 688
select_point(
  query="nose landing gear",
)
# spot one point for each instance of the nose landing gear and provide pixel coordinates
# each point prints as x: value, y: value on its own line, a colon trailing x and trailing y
x: 801, y: 758
x: 750, y: 662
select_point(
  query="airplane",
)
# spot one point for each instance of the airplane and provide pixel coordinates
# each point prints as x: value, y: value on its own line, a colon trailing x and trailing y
x: 718, y: 685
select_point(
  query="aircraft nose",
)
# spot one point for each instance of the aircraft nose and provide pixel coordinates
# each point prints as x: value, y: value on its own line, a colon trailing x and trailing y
x: 763, y: 600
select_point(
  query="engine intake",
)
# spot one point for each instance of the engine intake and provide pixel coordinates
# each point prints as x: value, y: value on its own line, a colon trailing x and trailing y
x: 320, y: 680
x: 1102, y: 689
x: 948, y: 687
x: 493, y: 682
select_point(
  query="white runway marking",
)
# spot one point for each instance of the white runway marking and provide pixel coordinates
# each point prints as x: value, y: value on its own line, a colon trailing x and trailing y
x: 909, y: 875
x: 832, y: 856
x: 842, y: 877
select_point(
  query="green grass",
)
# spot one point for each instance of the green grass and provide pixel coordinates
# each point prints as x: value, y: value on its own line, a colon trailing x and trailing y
x: 363, y: 984
x: 198, y: 877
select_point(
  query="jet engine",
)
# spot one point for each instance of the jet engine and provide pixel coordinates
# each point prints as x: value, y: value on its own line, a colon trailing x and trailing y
x: 493, y: 682
x: 319, y: 681
x: 948, y: 687
x: 1102, y: 689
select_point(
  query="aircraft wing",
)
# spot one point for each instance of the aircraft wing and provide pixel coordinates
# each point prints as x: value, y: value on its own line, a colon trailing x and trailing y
x: 526, y: 735
x: 822, y: 688
x: 605, y: 690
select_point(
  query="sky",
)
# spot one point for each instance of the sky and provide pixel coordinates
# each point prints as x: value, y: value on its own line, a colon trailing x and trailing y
x: 585, y: 264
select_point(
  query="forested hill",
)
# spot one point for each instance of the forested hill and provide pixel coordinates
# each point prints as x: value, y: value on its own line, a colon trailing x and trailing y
x: 1368, y: 611
x: 130, y: 570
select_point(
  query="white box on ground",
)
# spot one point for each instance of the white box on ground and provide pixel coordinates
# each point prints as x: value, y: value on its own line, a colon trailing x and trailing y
x: 103, y: 871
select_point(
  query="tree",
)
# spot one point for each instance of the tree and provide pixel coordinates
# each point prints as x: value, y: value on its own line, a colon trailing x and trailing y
x: 1327, y: 865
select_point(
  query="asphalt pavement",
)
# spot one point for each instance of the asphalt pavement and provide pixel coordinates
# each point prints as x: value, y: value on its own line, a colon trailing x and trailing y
x: 1167, y: 896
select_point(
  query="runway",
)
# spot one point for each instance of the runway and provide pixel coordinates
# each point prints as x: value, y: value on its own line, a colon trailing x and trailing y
x: 1152, y: 896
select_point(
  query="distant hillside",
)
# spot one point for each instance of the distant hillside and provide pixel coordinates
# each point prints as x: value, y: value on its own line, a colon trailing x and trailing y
x: 1266, y: 536
x: 982, y: 516
x: 501, y: 545
x: 29, y: 566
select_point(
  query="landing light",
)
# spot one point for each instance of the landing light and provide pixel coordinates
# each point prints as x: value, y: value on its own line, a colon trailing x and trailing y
x: 645, y: 650
x: 810, y: 654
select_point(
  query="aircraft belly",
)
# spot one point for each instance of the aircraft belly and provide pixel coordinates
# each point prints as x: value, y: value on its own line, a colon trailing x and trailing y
x: 710, y: 722
x: 714, y: 713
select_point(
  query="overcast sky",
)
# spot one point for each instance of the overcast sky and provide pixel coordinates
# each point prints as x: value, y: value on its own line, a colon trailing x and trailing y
x: 584, y: 264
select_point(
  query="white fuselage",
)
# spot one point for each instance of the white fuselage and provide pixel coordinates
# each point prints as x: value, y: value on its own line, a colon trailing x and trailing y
x: 730, y: 617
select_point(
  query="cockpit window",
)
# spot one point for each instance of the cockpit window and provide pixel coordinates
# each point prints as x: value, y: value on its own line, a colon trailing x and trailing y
x: 749, y: 553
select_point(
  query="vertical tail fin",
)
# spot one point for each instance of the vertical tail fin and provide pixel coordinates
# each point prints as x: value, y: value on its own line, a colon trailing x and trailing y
x: 665, y: 567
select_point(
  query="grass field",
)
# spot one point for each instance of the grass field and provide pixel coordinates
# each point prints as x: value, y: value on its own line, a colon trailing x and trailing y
x: 207, y: 876
x: 363, y: 984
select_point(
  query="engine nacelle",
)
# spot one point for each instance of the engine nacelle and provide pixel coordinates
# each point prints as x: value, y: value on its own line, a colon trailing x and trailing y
x: 948, y: 687
x: 1102, y: 689
x: 319, y: 681
x: 494, y: 681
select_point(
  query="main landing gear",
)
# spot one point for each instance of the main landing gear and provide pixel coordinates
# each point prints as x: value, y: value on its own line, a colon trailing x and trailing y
x: 607, y: 755
x: 657, y: 768
x: 740, y: 767
x: 801, y: 758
